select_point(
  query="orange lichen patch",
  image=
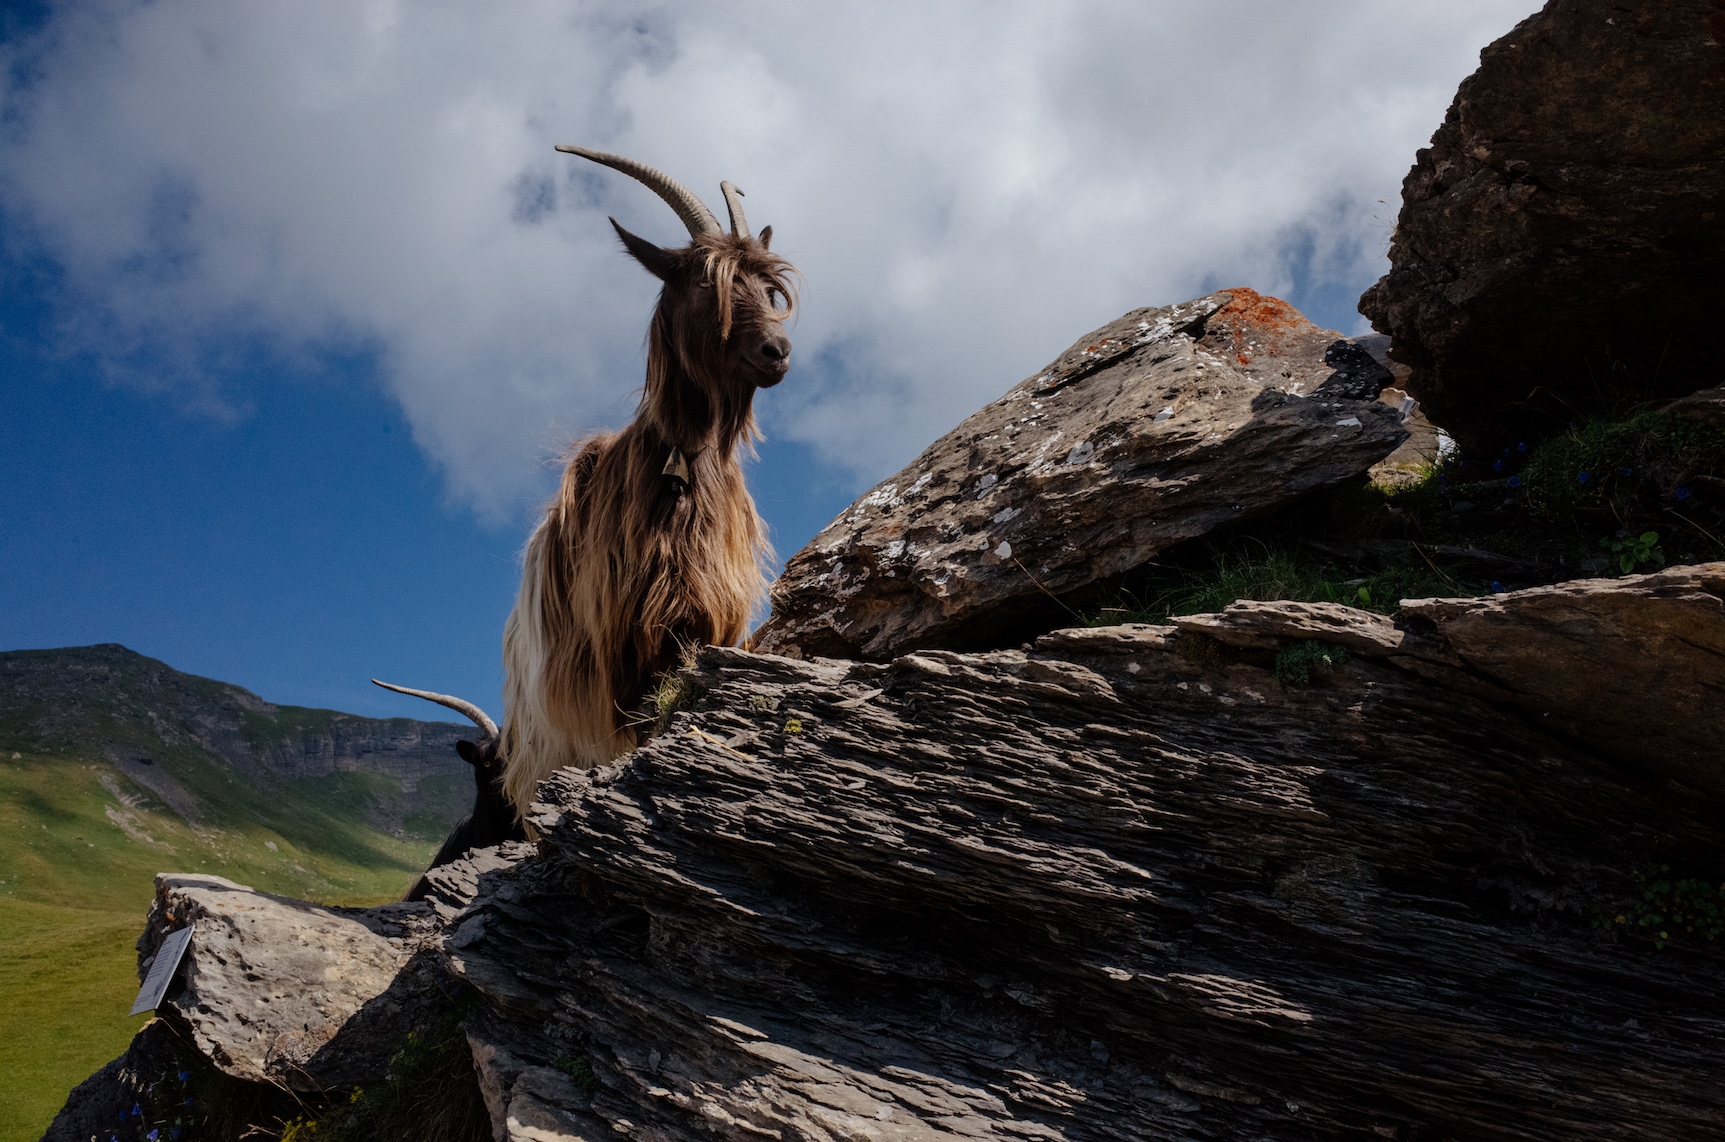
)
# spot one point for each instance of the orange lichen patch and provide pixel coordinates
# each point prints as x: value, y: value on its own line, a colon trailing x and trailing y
x: 1271, y: 314
x: 1258, y: 323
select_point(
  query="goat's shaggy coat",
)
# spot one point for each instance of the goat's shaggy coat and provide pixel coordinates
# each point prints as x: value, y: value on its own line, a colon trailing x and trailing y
x: 652, y: 542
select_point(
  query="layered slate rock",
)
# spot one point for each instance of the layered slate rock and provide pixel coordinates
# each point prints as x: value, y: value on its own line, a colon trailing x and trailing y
x: 1559, y: 242
x: 1092, y: 891
x: 1634, y: 667
x: 1155, y: 429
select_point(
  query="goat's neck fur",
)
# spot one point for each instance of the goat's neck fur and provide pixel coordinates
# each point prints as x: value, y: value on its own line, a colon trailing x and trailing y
x: 628, y: 566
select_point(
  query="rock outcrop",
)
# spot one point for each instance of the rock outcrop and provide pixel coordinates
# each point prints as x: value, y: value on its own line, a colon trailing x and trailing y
x: 288, y: 993
x: 1157, y: 428
x: 1559, y: 241
x: 1121, y: 884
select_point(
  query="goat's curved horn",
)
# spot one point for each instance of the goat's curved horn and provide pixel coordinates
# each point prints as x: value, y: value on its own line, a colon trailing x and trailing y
x: 734, y: 205
x: 680, y: 198
x: 459, y: 705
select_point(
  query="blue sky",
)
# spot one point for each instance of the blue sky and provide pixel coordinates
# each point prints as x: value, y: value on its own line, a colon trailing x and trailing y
x: 297, y: 305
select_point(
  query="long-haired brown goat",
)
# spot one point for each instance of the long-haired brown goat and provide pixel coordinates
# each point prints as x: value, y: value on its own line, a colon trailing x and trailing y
x: 652, y: 542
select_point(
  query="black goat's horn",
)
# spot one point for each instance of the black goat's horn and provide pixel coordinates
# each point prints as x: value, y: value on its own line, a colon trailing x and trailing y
x: 680, y: 198
x: 734, y: 205
x: 459, y: 705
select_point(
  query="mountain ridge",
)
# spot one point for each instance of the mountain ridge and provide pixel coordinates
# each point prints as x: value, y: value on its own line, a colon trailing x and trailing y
x: 141, y: 714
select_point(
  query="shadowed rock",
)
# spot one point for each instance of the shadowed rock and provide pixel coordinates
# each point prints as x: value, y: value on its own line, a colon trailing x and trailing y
x: 1632, y: 667
x: 1559, y: 242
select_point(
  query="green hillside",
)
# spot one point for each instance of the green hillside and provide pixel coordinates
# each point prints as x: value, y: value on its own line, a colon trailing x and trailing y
x: 113, y: 768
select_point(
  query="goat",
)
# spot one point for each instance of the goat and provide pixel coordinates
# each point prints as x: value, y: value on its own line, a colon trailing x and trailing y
x: 651, y: 542
x: 493, y: 820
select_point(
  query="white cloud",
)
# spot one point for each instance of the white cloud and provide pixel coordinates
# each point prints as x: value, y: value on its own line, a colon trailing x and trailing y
x: 967, y: 188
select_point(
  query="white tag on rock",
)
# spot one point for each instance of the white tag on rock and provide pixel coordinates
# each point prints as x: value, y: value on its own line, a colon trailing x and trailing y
x: 161, y: 971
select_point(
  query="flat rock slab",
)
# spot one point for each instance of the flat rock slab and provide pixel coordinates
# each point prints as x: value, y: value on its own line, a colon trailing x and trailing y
x: 1150, y: 431
x: 1267, y: 625
x: 282, y: 991
x: 1633, y: 666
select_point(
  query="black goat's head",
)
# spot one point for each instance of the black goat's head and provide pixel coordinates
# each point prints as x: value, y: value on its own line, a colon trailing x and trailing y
x: 493, y: 819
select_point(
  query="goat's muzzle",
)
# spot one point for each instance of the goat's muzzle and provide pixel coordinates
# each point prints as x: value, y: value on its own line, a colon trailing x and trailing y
x: 770, y: 357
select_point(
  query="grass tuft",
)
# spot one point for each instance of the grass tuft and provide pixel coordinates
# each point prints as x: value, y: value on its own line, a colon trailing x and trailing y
x: 1298, y: 662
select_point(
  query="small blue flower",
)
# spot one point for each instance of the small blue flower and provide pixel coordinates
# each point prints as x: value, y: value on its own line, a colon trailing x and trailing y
x: 1582, y: 476
x: 153, y: 1135
x: 1443, y: 477
x: 1506, y: 452
x: 188, y: 1100
x: 1682, y: 493
x: 1497, y: 467
x: 1522, y: 447
x: 1496, y: 586
x: 1515, y: 481
x: 174, y: 1133
x: 1629, y: 471
x: 137, y: 1111
x: 184, y: 1075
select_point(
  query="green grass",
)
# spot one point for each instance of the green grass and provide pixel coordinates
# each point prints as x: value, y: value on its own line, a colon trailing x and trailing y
x: 80, y: 845
x: 67, y: 979
x: 1635, y: 468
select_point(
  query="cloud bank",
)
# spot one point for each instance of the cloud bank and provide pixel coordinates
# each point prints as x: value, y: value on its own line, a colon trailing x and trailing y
x: 967, y: 187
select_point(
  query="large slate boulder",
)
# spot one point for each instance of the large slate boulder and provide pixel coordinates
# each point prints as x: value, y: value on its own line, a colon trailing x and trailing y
x: 1154, y: 429
x: 1104, y: 888
x: 1559, y: 242
x: 1124, y: 883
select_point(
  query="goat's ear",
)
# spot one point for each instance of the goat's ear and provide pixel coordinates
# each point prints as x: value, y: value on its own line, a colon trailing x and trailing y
x: 659, y: 262
x: 767, y: 238
x: 469, y: 751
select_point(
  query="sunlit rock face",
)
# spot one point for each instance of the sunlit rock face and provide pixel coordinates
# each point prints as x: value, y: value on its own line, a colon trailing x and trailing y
x: 1129, y: 881
x: 1559, y: 242
x: 1154, y: 429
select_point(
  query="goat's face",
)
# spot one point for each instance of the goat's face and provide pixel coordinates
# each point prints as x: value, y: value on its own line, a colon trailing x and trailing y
x: 723, y: 309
